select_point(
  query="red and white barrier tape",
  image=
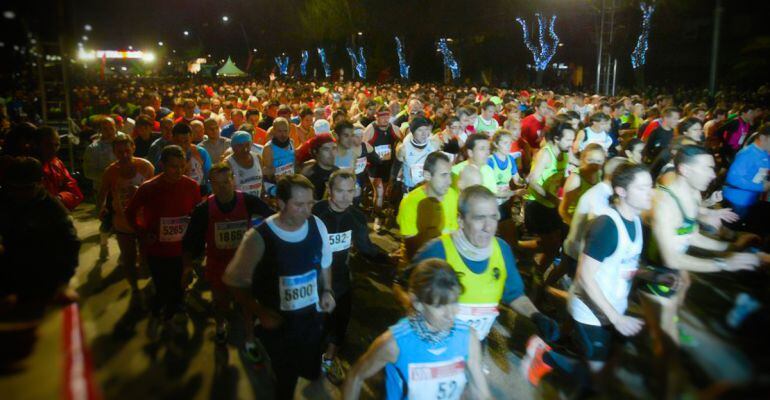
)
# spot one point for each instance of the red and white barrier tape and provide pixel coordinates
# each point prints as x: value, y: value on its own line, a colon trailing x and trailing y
x: 78, y: 381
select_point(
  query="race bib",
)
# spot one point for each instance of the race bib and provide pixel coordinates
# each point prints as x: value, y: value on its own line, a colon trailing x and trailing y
x: 298, y: 291
x: 383, y: 151
x: 254, y: 188
x: 286, y: 169
x: 196, y: 171
x: 360, y: 165
x: 479, y: 316
x: 417, y: 173
x: 172, y: 229
x: 228, y: 234
x: 340, y: 241
x: 442, y: 380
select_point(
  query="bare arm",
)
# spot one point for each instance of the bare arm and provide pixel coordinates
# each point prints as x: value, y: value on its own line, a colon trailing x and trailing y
x: 267, y: 161
x: 541, y: 160
x: 578, y: 140
x: 384, y: 350
x: 664, y: 225
x: 400, y: 151
x: 524, y: 306
x: 571, y: 196
x: 478, y: 387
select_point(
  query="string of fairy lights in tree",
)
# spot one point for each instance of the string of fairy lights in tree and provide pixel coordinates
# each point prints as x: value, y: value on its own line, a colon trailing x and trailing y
x: 639, y: 54
x: 542, y: 55
x: 303, y: 63
x: 359, y: 61
x: 449, y: 58
x: 324, y: 62
x: 282, y: 62
x: 403, y: 67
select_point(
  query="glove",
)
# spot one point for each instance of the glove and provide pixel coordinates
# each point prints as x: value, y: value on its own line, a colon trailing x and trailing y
x: 547, y: 328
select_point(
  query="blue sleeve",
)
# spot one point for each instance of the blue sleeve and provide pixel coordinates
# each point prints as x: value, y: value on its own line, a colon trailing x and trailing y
x: 514, y: 167
x: 742, y: 172
x: 206, y: 159
x: 432, y: 249
x: 491, y: 162
x: 514, y: 286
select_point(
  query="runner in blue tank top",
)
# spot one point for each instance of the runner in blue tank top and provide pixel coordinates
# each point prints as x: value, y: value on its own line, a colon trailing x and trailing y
x: 429, y: 354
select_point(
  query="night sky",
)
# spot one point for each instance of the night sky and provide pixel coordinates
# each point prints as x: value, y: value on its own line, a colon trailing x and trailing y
x: 487, y: 37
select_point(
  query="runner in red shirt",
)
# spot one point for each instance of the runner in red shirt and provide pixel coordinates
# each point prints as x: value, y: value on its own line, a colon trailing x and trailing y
x: 533, y: 125
x: 165, y: 203
x: 56, y: 178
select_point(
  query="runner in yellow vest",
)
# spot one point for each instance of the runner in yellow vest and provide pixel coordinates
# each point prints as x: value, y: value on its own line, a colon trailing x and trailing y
x: 485, y: 264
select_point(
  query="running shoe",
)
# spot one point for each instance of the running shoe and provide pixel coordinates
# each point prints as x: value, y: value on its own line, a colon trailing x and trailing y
x: 332, y: 370
x: 532, y: 365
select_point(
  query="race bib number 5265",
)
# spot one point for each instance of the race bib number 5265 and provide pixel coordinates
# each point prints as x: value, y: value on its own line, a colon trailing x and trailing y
x: 172, y: 229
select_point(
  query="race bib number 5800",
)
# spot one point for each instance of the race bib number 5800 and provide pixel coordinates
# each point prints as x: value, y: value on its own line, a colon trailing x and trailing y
x: 442, y: 380
x: 298, y: 291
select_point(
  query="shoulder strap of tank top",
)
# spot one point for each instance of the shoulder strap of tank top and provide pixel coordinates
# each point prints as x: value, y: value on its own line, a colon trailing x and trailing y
x: 687, y: 218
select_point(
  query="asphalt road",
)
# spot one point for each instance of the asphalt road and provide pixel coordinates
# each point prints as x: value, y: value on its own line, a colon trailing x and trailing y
x: 186, y: 363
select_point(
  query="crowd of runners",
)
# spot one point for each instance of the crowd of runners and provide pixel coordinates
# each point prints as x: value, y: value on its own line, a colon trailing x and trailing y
x: 499, y: 198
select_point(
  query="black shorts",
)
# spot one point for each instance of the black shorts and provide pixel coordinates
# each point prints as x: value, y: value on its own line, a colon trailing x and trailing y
x: 295, y: 347
x: 540, y: 220
x: 336, y: 325
x: 382, y: 171
x: 592, y: 341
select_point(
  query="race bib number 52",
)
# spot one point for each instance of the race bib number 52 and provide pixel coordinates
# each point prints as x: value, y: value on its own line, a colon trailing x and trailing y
x: 442, y: 380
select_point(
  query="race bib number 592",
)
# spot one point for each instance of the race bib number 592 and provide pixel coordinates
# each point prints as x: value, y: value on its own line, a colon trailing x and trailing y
x: 340, y: 241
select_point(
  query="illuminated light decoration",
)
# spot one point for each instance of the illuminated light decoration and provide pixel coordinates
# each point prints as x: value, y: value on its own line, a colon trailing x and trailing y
x: 283, y: 65
x: 545, y: 53
x: 88, y: 55
x: 403, y: 67
x: 639, y: 54
x: 327, y: 67
x: 449, y: 58
x: 359, y: 61
x: 303, y: 63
